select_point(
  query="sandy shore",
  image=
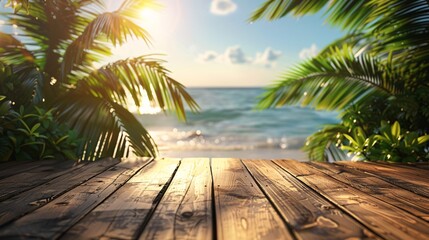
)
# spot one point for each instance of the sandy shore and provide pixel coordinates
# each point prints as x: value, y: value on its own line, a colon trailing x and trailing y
x: 248, y: 154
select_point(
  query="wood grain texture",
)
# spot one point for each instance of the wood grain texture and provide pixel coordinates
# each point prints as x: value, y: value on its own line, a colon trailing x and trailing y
x: 397, y: 196
x: 421, y: 166
x: 242, y: 210
x: 122, y: 215
x: 382, y: 218
x: 36, y: 197
x: 409, y: 179
x: 51, y: 220
x: 410, y: 169
x: 424, y: 166
x: 24, y: 181
x: 185, y: 210
x: 11, y: 168
x: 110, y: 199
x: 309, y: 214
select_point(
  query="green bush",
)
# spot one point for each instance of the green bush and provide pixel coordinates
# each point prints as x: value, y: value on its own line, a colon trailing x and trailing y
x: 32, y: 134
x: 391, y: 144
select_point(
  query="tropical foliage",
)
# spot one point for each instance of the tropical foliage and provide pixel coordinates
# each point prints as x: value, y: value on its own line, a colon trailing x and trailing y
x: 17, y: 4
x: 52, y: 48
x: 376, y: 76
x: 34, y: 134
x: 391, y: 144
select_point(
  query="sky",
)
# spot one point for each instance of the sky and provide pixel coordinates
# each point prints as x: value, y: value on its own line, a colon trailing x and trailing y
x: 211, y: 43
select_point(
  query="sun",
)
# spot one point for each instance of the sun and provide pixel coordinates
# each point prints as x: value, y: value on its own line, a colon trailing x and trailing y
x: 146, y: 107
x: 149, y: 15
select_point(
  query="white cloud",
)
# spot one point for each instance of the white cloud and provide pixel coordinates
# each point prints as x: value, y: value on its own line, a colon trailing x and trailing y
x: 222, y: 7
x: 268, y: 57
x: 308, y: 52
x: 208, y: 56
x: 236, y: 55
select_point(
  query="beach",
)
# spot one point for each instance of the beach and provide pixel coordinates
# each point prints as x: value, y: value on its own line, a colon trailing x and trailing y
x: 263, y: 154
x: 228, y: 125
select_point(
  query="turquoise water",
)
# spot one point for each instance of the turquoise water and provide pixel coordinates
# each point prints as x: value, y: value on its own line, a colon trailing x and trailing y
x: 228, y: 121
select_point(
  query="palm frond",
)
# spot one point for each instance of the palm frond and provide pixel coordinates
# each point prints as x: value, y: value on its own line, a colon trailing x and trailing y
x: 47, y: 25
x: 117, y: 28
x: 132, y: 8
x: 13, y: 51
x: 351, y: 14
x: 399, y: 26
x: 98, y: 53
x: 83, y: 3
x: 23, y: 85
x: 134, y: 77
x: 64, y: 39
x: 86, y: 12
x: 108, y: 129
x: 402, y: 26
x: 332, y: 82
x: 275, y: 9
x: 324, y: 145
x: 358, y: 41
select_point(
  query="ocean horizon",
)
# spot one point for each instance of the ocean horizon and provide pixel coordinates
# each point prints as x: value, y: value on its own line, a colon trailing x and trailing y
x: 228, y: 125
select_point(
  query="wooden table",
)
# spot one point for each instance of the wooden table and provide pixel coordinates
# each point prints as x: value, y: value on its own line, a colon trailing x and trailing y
x: 213, y: 199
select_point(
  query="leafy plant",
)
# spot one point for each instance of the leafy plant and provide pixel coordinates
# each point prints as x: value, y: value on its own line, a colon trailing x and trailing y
x: 377, y: 72
x: 391, y: 144
x: 33, y: 134
x: 17, y: 4
x: 51, y: 65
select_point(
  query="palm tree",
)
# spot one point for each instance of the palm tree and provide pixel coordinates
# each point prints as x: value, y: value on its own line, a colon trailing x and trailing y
x: 53, y: 57
x: 377, y: 72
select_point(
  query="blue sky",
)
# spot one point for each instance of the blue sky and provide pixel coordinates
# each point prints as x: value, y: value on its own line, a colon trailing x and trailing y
x: 211, y: 42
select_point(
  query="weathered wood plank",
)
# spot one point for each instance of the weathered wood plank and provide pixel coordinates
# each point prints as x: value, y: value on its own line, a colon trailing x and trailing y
x: 242, y: 210
x: 402, y: 177
x: 10, y: 164
x: 23, y: 181
x: 399, y: 168
x: 184, y: 211
x: 382, y: 218
x: 51, y: 220
x: 309, y: 214
x: 423, y: 166
x: 122, y: 215
x: 41, y: 195
x: 399, y: 197
x: 11, y: 168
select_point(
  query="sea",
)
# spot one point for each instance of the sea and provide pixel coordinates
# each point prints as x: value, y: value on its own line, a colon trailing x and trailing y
x: 228, y: 125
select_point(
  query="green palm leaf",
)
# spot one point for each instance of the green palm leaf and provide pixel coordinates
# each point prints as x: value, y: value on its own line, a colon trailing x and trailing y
x: 324, y: 144
x: 23, y: 85
x: 393, y: 25
x: 133, y: 77
x: 275, y: 9
x: 115, y: 27
x: 348, y: 14
x: 13, y: 51
x: 108, y: 128
x: 331, y: 81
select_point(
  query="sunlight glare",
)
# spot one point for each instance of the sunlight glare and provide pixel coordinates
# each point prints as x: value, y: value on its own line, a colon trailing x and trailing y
x: 149, y: 15
x: 145, y: 107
